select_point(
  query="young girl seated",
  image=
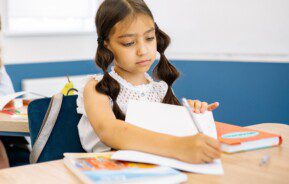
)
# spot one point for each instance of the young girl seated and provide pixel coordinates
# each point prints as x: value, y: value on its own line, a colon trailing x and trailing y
x: 129, y: 39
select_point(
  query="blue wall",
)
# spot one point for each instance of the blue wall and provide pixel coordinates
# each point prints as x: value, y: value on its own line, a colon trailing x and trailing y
x: 248, y: 92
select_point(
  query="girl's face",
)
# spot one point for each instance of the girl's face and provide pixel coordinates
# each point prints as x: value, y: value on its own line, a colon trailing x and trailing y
x: 133, y: 43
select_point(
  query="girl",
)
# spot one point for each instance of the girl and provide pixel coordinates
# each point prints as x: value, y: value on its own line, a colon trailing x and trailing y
x: 129, y: 39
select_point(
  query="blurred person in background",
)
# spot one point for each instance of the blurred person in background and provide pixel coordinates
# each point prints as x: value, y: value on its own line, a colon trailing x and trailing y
x: 13, y: 150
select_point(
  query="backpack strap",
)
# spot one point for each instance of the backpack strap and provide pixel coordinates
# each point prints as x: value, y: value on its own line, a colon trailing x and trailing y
x: 46, y: 127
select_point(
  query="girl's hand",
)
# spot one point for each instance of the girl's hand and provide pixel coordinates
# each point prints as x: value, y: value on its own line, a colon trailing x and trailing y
x: 201, y: 107
x: 197, y: 149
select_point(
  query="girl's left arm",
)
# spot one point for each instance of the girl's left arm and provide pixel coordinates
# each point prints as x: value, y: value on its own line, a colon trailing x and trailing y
x: 201, y: 107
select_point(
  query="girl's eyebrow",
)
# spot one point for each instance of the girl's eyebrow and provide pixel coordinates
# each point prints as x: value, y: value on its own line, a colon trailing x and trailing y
x: 133, y: 35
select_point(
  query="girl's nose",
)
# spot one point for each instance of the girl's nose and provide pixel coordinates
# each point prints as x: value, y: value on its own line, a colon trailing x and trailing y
x: 142, y: 49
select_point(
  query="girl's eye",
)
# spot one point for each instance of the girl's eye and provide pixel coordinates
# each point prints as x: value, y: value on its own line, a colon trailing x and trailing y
x: 128, y: 44
x: 150, y: 38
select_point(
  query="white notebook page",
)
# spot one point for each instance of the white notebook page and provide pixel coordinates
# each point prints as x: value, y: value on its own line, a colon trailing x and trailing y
x: 173, y: 120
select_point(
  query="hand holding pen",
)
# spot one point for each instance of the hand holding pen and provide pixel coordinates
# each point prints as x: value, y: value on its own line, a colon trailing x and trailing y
x: 198, y: 148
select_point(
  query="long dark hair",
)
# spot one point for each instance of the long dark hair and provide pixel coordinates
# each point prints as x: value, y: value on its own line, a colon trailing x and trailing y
x: 110, y: 13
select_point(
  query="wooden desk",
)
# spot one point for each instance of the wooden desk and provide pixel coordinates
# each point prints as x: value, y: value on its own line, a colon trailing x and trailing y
x: 13, y: 127
x: 239, y: 168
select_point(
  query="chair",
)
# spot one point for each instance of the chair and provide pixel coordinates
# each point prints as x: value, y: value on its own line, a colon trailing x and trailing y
x: 64, y: 136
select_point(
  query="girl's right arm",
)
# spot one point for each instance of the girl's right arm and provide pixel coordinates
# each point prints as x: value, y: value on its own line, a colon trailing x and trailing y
x: 120, y: 135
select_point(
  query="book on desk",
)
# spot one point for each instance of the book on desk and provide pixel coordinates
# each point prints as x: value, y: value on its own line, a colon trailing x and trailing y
x: 236, y: 139
x: 15, y: 107
x: 100, y: 168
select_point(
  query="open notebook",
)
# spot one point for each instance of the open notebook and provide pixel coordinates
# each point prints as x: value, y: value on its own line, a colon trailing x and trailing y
x: 99, y: 168
x: 173, y: 120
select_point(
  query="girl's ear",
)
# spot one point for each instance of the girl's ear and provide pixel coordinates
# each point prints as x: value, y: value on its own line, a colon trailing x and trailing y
x: 106, y: 45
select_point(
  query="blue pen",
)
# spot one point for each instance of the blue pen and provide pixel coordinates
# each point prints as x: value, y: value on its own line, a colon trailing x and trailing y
x: 187, y: 106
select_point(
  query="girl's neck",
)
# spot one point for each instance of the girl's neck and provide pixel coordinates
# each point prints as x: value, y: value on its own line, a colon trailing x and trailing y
x: 133, y: 78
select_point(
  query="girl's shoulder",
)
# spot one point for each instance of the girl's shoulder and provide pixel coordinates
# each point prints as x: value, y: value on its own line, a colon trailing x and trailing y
x: 87, y: 79
x: 82, y: 84
x: 92, y: 77
x: 96, y: 77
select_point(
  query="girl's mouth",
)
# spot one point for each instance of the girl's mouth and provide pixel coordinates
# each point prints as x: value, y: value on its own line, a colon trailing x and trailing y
x: 143, y: 62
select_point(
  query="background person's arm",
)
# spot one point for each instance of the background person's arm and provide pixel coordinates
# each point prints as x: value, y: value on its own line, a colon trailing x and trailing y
x: 6, y: 86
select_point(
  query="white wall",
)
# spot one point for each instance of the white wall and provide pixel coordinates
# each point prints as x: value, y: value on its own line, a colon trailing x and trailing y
x: 45, y: 47
x: 49, y: 48
x: 226, y: 29
x: 248, y: 30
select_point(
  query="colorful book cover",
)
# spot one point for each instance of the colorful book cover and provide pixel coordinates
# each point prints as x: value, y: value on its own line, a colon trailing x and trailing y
x: 99, y: 168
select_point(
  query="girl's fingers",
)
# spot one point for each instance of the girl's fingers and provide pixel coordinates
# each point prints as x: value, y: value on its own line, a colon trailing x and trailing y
x: 206, y: 159
x: 192, y: 104
x: 204, y: 106
x: 211, y: 152
x: 201, y: 107
x: 214, y: 143
x: 197, y: 106
x: 213, y: 106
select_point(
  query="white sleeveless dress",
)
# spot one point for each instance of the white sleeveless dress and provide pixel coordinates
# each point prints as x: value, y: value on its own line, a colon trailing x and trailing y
x: 153, y: 91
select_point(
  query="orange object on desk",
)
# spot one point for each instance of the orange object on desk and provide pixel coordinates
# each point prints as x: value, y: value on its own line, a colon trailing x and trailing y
x: 11, y: 104
x: 10, y: 107
x: 236, y: 138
